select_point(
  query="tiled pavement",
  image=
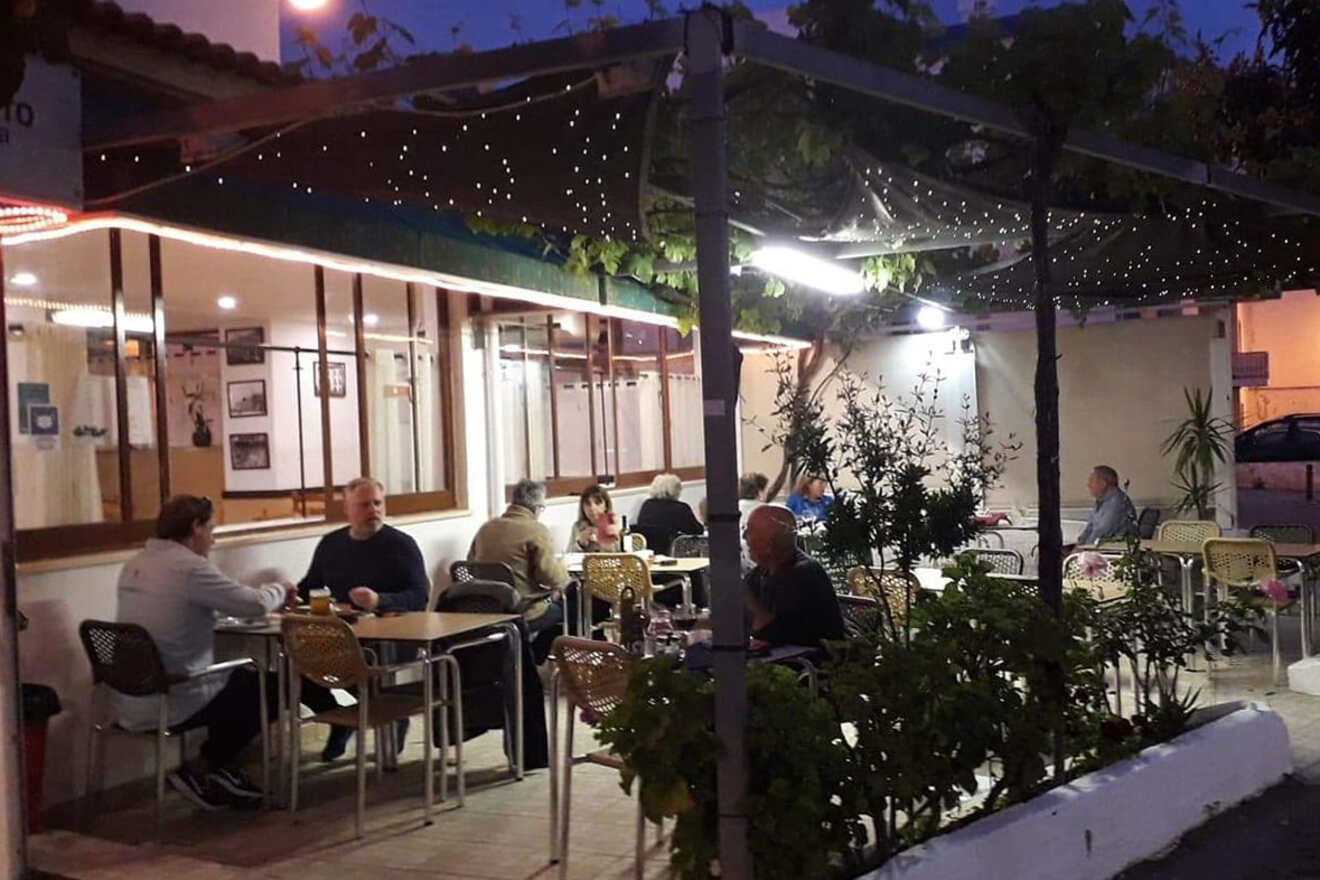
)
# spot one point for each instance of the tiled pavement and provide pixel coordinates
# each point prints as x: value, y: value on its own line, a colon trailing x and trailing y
x: 501, y: 832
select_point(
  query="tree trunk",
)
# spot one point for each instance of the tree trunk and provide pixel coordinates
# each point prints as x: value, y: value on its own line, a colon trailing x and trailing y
x: 810, y: 361
x: 1045, y: 151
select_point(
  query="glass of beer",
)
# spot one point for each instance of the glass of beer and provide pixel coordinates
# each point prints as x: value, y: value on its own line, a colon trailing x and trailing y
x: 319, y: 600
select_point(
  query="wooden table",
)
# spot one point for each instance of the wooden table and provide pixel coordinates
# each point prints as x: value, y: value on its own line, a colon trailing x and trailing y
x: 1187, y: 552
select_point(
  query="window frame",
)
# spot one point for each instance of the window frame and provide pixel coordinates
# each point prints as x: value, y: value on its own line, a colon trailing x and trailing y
x: 53, y: 542
x: 559, y: 486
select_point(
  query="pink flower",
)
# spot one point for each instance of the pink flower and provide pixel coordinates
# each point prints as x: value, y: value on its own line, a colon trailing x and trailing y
x: 1093, y: 565
x: 1274, y: 589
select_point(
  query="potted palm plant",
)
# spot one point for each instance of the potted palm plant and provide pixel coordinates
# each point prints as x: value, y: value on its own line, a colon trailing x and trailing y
x: 1198, y: 443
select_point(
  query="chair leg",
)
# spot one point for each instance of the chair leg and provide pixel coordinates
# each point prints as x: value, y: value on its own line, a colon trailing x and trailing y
x: 554, y: 766
x: 1276, y: 654
x: 295, y: 739
x: 567, y: 776
x: 89, y: 800
x: 162, y: 725
x: 361, y: 760
x: 443, y: 681
x: 458, y: 725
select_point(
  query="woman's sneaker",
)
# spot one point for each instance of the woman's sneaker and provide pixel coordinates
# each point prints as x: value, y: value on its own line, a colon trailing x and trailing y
x: 201, y: 790
x: 236, y: 784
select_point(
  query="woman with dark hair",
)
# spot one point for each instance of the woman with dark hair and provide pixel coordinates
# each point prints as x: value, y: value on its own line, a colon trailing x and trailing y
x: 597, y: 528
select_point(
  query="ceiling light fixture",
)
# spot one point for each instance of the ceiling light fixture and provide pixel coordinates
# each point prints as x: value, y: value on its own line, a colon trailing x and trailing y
x: 22, y: 279
x: 227, y: 303
x: 930, y: 318
x: 370, y: 319
x: 802, y: 268
x: 307, y: 5
x: 92, y: 317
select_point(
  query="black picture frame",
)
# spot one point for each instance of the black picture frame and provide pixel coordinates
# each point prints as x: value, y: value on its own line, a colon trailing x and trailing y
x: 246, y: 398
x: 249, y: 452
x: 338, y: 379
x: 245, y: 355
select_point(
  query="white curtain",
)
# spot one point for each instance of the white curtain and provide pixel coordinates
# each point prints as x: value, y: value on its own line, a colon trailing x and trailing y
x: 391, y: 424
x: 57, y: 485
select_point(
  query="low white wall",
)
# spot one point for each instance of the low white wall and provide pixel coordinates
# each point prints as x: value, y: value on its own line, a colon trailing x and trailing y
x: 1105, y: 821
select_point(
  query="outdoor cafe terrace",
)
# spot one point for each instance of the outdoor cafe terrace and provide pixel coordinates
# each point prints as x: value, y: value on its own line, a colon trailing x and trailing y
x: 446, y: 284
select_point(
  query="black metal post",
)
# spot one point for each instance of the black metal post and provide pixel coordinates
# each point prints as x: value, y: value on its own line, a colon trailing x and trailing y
x: 708, y: 32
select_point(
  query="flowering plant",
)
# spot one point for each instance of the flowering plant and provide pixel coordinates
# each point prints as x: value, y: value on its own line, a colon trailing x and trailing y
x: 1274, y: 590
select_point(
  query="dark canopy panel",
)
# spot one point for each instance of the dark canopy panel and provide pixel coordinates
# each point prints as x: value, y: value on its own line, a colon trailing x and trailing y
x: 566, y: 152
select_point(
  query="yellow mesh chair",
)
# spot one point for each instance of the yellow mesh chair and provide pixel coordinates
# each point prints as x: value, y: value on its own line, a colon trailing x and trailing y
x: 1242, y: 563
x: 325, y: 650
x: 593, y: 677
x: 1103, y: 586
x: 1187, y: 531
x: 873, y: 583
x: 606, y: 575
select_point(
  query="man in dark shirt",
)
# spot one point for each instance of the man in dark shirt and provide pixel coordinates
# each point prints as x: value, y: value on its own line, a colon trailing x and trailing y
x: 374, y: 566
x: 789, y: 597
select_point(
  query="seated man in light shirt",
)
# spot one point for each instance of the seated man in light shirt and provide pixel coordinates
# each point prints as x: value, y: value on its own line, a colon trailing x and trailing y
x: 1114, y: 517
x: 174, y: 592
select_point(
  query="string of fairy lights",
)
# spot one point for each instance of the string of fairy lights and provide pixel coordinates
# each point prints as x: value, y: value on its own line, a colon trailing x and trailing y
x: 570, y: 161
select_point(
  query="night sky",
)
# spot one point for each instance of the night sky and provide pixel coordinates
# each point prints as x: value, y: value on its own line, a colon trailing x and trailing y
x: 489, y: 24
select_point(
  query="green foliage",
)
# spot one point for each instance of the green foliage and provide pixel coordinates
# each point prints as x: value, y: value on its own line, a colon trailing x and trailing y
x: 801, y: 810
x: 969, y: 694
x: 901, y: 493
x: 1198, y: 443
x: 369, y: 43
x: 1154, y: 637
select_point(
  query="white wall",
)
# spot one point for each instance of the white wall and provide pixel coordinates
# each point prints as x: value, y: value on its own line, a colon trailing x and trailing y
x: 247, y: 25
x: 1286, y: 328
x: 1120, y: 394
x: 57, y: 598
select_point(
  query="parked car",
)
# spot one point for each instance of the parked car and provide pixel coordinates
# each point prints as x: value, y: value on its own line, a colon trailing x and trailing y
x: 1294, y: 437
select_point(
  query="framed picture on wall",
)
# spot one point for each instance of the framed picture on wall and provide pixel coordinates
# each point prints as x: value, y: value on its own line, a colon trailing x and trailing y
x: 249, y: 452
x: 243, y: 355
x: 246, y: 399
x: 338, y: 379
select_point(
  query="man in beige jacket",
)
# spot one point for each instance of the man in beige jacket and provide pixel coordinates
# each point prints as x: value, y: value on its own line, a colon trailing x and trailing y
x: 519, y: 540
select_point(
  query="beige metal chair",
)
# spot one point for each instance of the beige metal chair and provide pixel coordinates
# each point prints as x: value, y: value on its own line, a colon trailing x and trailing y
x: 125, y: 659
x: 1103, y: 586
x: 1000, y: 561
x: 605, y: 576
x: 327, y: 651
x: 894, y: 586
x: 1241, y: 564
x: 1187, y: 531
x: 594, y: 678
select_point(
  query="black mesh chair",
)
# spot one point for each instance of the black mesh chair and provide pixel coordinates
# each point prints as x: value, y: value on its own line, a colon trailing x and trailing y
x: 861, y: 615
x: 464, y: 570
x: 125, y: 659
x: 1147, y: 520
x: 1000, y: 561
x: 690, y: 547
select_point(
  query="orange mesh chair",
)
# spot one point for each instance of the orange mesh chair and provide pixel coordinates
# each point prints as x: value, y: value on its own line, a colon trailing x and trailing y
x: 594, y: 677
x: 325, y: 649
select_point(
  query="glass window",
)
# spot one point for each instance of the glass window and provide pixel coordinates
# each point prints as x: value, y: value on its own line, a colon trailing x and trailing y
x: 637, y: 387
x: 240, y: 338
x: 63, y: 416
x: 686, y: 428
x: 577, y: 419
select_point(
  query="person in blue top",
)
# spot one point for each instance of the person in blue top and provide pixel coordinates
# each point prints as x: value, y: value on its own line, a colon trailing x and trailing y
x: 808, y: 500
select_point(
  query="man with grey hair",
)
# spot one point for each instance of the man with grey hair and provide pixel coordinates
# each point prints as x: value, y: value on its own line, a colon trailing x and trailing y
x: 519, y: 540
x: 789, y: 597
x: 373, y: 565
x: 1114, y: 517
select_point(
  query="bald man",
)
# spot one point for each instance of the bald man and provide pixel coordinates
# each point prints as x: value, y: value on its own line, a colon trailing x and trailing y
x: 789, y: 597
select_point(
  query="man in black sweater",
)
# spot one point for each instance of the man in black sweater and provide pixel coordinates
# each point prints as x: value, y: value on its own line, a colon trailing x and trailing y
x: 789, y: 598
x: 374, y: 566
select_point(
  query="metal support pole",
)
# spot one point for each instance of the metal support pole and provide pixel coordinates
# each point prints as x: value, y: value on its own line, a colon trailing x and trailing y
x: 708, y: 34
